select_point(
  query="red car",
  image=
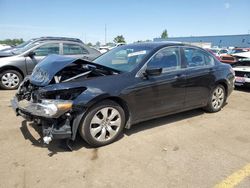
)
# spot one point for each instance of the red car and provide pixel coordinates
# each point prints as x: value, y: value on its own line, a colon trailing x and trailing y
x: 211, y: 52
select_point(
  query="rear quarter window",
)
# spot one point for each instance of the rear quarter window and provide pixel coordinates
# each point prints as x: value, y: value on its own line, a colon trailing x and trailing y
x: 73, y: 49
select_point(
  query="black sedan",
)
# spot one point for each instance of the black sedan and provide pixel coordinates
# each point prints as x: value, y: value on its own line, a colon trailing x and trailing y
x: 127, y: 85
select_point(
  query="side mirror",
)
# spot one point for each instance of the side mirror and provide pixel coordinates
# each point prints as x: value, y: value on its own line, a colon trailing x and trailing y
x: 153, y: 71
x: 31, y: 54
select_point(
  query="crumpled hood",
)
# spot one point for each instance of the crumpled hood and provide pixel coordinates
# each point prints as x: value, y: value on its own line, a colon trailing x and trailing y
x: 44, y: 71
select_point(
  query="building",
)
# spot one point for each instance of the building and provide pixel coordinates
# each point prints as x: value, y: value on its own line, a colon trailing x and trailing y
x: 218, y: 41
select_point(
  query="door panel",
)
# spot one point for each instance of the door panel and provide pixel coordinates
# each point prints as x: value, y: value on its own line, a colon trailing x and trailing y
x: 158, y: 95
x: 154, y: 96
x: 198, y: 86
x: 199, y: 76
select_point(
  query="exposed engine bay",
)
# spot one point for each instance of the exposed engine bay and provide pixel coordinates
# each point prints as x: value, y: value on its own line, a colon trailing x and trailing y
x: 53, y: 107
x: 79, y: 71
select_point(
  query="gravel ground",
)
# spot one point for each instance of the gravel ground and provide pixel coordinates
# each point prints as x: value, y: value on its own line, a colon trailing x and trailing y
x: 190, y: 149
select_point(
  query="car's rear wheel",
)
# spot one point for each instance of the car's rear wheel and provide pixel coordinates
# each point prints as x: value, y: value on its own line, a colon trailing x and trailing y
x: 217, y: 99
x: 10, y: 79
x: 103, y: 123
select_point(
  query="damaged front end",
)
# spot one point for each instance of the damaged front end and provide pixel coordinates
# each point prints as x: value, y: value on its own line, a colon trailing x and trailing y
x: 44, y: 99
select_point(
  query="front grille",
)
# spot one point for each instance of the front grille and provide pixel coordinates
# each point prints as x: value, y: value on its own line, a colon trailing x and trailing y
x: 228, y: 58
x: 242, y: 74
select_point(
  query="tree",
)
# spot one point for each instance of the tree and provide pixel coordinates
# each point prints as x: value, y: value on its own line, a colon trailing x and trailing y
x: 164, y: 34
x: 98, y: 44
x: 119, y: 39
x: 12, y: 41
x: 89, y: 44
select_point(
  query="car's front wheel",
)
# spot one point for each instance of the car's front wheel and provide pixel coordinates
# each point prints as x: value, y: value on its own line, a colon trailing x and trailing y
x: 103, y: 123
x: 217, y: 99
x: 10, y: 79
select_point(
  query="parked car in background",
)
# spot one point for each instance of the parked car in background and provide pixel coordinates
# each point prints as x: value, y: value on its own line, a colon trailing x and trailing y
x: 214, y: 54
x: 242, y: 69
x: 124, y: 86
x: 34, y: 40
x: 231, y: 57
x: 4, y: 46
x: 14, y: 67
x: 219, y: 52
x: 242, y: 74
x: 104, y: 49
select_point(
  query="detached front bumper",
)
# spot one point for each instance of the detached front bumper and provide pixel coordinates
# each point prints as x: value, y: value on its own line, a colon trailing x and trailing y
x: 54, y: 127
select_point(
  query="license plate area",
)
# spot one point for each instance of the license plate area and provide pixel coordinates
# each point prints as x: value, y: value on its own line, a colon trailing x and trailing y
x: 240, y: 79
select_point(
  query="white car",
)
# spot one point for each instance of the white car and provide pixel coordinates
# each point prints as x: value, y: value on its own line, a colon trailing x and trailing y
x: 242, y: 75
x: 104, y: 49
x: 242, y: 69
x: 4, y: 46
x: 219, y: 51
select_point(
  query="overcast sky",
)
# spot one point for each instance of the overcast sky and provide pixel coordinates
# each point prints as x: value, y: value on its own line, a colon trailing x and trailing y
x: 135, y: 20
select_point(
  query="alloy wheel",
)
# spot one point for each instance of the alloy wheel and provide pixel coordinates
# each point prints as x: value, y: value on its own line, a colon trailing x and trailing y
x: 105, y: 124
x: 218, y: 98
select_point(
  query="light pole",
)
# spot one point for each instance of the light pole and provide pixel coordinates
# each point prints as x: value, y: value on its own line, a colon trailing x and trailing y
x: 105, y: 34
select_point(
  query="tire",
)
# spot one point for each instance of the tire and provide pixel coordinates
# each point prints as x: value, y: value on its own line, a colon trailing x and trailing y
x: 10, y: 79
x: 217, y: 99
x: 98, y: 129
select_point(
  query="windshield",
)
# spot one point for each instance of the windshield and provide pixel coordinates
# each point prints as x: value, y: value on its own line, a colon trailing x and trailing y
x: 23, y: 44
x: 124, y: 58
x: 25, y: 48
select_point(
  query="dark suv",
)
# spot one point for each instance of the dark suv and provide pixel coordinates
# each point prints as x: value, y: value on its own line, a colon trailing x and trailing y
x: 14, y: 67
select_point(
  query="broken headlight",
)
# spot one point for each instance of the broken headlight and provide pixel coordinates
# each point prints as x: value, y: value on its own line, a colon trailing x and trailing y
x: 47, y: 108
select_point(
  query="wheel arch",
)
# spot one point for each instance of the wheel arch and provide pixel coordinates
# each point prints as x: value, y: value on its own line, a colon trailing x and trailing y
x: 119, y: 101
x: 78, y: 119
x: 224, y: 84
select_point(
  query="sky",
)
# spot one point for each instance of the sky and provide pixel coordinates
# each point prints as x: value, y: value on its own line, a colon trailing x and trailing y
x: 135, y: 20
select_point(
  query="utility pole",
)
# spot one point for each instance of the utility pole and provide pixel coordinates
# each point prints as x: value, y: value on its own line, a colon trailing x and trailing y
x: 105, y: 34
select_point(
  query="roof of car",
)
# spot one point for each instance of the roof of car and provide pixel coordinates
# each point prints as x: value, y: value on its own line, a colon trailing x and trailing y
x: 159, y: 44
x: 57, y: 38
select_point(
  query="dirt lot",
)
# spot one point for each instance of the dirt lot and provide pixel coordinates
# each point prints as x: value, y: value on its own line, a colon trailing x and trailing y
x: 191, y: 149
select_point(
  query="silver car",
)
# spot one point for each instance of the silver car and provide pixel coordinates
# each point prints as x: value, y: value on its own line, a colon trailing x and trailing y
x: 15, y: 65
